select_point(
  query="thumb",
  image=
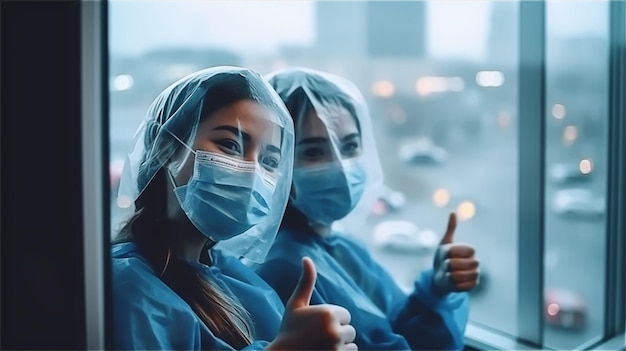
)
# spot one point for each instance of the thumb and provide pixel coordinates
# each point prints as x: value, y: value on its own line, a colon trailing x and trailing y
x: 301, y: 295
x: 449, y: 235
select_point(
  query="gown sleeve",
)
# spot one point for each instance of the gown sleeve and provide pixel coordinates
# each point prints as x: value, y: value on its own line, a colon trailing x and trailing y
x: 426, y: 321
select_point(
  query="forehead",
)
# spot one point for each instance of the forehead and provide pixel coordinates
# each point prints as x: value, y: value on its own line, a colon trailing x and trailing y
x: 249, y: 116
x: 329, y: 120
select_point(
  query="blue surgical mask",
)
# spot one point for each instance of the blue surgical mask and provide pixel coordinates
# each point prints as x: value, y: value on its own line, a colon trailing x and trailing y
x: 225, y: 197
x: 328, y: 192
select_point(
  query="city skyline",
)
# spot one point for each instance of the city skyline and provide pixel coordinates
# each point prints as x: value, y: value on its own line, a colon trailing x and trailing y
x: 265, y: 26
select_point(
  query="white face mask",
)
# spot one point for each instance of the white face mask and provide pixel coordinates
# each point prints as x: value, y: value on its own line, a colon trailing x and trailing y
x: 225, y: 197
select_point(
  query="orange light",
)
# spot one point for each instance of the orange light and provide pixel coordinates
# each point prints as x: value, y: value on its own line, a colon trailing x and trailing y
x: 466, y: 210
x: 570, y: 133
x: 383, y: 88
x: 553, y: 309
x: 585, y: 166
x: 441, y: 197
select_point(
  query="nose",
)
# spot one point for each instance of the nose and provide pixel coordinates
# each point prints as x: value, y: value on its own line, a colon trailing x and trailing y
x: 252, y: 154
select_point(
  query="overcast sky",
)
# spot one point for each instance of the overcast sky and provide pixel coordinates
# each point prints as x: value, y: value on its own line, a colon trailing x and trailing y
x: 455, y: 28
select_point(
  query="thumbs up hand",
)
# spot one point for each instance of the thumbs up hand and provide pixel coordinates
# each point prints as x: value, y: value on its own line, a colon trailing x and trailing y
x: 318, y: 327
x: 455, y: 267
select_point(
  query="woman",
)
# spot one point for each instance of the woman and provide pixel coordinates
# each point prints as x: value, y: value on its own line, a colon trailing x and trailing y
x: 337, y: 174
x: 211, y: 166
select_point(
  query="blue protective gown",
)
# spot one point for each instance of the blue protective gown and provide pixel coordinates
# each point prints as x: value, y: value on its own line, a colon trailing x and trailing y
x: 384, y: 317
x: 148, y: 315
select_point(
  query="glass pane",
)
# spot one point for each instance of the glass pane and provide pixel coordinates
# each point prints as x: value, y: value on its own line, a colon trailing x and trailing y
x: 576, y: 170
x: 441, y: 82
x: 449, y: 143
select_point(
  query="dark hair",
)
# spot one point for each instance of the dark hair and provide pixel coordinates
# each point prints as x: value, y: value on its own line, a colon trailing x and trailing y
x: 299, y: 105
x: 150, y: 229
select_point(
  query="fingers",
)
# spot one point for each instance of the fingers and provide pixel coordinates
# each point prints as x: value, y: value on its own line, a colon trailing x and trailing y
x: 301, y: 295
x: 341, y: 314
x: 466, y: 286
x: 448, y: 237
x: 462, y: 264
x: 461, y: 251
x: 349, y: 347
x: 337, y: 318
x: 348, y: 333
x: 461, y: 277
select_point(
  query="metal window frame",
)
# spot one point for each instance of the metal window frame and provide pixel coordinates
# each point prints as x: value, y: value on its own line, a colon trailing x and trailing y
x: 531, y: 185
x: 95, y: 161
x: 532, y: 116
x: 616, y: 175
x: 531, y: 172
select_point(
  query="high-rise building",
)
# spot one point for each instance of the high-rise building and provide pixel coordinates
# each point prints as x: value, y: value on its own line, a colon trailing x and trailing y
x: 374, y: 28
x: 340, y: 27
x: 396, y: 28
x: 503, y: 41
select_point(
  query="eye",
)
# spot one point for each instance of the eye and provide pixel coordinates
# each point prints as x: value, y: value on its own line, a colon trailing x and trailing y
x: 350, y: 148
x: 229, y: 146
x: 270, y: 162
x: 312, y: 153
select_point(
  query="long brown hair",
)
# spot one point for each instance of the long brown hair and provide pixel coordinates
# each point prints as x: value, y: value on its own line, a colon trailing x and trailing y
x: 152, y: 232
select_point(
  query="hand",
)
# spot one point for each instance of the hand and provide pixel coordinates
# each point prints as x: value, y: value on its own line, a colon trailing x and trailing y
x: 455, y: 268
x: 319, y: 327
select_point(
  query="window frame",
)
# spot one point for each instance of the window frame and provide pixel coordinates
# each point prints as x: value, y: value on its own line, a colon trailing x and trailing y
x: 95, y: 169
x: 532, y: 35
x: 615, y: 226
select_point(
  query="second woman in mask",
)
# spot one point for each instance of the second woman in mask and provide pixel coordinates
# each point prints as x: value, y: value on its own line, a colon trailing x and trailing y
x: 336, y: 173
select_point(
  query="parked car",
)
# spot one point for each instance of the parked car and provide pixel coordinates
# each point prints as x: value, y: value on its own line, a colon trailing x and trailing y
x: 405, y: 236
x: 422, y: 153
x: 579, y: 203
x: 562, y: 173
x: 564, y: 308
x: 389, y: 200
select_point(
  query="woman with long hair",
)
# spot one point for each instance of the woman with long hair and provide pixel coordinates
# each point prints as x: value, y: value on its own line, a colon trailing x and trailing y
x: 209, y: 176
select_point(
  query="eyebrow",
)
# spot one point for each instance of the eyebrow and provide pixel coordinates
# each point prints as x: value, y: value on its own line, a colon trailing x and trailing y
x: 236, y: 131
x: 272, y: 148
x: 246, y: 137
x: 317, y: 140
x: 314, y: 140
x: 349, y: 137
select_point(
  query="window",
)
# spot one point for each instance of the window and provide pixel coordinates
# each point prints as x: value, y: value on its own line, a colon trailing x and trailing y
x: 506, y: 112
x: 577, y: 110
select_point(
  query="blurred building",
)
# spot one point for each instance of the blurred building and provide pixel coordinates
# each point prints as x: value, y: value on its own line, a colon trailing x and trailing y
x: 396, y: 28
x: 377, y: 29
x: 339, y: 27
x: 503, y: 34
